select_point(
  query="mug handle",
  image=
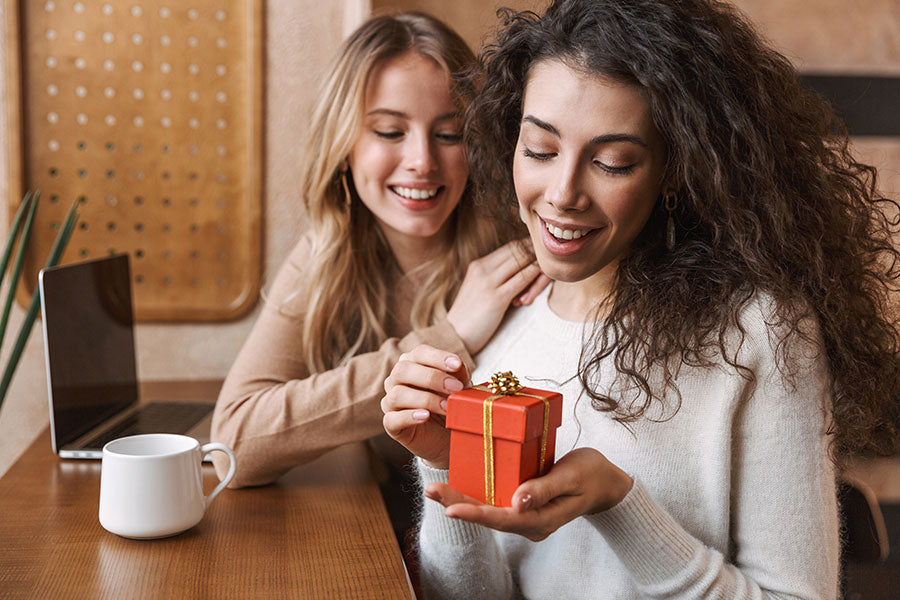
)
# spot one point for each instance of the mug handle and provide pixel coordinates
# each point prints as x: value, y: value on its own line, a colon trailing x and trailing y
x: 212, y: 446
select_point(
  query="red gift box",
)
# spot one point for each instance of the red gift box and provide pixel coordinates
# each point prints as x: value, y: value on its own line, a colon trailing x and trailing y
x: 506, y: 427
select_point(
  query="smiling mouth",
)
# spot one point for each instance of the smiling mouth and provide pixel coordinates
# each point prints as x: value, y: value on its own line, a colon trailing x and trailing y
x: 415, y: 193
x: 566, y: 235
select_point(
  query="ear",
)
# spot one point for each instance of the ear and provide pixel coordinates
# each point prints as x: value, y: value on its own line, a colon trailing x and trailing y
x: 669, y: 182
x: 667, y: 186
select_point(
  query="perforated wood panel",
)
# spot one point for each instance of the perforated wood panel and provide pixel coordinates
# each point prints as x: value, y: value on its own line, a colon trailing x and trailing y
x: 149, y: 113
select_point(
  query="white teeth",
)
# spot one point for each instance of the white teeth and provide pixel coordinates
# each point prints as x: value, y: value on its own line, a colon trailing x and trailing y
x: 415, y: 193
x: 566, y: 234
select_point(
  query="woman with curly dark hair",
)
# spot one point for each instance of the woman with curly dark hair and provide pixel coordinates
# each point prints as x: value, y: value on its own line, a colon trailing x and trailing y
x: 719, y: 323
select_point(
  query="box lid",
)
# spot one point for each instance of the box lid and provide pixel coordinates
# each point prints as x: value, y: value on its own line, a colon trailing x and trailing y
x: 516, y: 418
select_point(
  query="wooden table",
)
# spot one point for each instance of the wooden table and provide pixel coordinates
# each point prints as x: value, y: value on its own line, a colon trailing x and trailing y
x: 322, y: 531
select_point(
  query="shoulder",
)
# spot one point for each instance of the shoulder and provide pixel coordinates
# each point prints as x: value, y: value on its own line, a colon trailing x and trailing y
x: 785, y: 405
x: 287, y: 292
x: 777, y: 351
x: 767, y: 331
x: 301, y: 253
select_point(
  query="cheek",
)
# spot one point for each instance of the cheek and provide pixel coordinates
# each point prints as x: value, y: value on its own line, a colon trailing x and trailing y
x: 526, y: 196
x: 528, y: 186
x: 370, y: 162
x: 523, y: 182
x: 632, y: 208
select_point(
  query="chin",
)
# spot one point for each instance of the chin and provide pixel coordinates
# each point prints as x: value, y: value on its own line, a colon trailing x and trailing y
x: 563, y: 273
x: 428, y: 231
x: 573, y: 270
x: 421, y: 232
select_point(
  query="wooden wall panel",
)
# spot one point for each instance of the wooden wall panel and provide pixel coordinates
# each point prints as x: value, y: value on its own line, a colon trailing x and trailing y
x: 149, y: 115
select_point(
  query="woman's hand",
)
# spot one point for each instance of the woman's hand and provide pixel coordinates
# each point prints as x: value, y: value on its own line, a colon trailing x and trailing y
x: 581, y: 483
x: 415, y: 402
x: 508, y: 275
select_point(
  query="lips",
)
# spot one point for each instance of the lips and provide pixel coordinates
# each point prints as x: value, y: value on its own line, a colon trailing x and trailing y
x: 562, y: 245
x: 415, y: 193
x: 418, y: 198
x: 561, y: 233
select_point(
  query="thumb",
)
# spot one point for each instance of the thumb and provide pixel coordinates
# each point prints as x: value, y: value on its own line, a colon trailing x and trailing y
x: 462, y: 373
x: 537, y: 492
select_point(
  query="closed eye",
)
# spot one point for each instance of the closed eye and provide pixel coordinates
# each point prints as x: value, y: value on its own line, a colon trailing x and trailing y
x: 388, y: 135
x: 615, y: 170
x: 450, y: 138
x: 537, y: 155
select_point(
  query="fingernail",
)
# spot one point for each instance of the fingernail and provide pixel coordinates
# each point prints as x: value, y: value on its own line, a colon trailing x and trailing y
x: 523, y: 298
x: 452, y: 362
x: 452, y: 384
x: 525, y: 500
x: 444, y: 405
x: 420, y: 415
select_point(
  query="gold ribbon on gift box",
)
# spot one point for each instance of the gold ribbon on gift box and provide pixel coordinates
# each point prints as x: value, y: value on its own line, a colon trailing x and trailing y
x: 505, y: 384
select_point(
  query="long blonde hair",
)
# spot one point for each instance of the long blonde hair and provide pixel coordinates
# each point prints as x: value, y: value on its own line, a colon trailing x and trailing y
x: 346, y: 304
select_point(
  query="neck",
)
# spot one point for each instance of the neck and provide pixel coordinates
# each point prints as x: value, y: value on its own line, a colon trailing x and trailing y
x: 413, y: 252
x: 578, y: 300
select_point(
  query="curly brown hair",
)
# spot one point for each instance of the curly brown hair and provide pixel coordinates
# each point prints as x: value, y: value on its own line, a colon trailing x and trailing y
x: 770, y: 200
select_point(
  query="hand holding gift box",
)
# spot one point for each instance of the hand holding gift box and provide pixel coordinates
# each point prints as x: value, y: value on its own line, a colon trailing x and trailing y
x: 582, y: 482
x: 501, y: 434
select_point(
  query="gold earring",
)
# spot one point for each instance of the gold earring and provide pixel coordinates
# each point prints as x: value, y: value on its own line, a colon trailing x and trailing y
x: 344, y: 170
x: 670, y: 201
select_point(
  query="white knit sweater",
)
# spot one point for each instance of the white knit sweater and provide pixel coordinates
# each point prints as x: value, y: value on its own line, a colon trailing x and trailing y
x: 734, y: 496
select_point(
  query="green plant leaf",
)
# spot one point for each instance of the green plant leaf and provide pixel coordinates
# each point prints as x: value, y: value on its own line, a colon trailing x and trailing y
x: 13, y: 233
x: 17, y: 266
x: 56, y: 252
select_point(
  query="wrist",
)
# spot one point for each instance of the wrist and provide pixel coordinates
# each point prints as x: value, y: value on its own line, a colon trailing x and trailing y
x: 619, y: 486
x: 435, y: 465
x: 461, y: 333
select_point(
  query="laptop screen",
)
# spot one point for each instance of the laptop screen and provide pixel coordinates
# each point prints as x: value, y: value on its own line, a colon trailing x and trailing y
x: 89, y: 344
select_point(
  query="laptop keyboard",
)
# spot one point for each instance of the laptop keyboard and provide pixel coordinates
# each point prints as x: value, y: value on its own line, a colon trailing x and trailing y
x: 157, y: 417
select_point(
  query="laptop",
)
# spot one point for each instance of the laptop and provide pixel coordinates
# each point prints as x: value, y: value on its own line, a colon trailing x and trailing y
x: 91, y: 368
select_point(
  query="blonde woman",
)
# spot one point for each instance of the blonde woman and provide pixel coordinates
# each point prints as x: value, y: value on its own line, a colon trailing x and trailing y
x: 392, y: 242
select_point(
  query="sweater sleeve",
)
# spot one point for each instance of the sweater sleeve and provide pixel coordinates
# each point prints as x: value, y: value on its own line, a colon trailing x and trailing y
x: 275, y: 415
x: 458, y: 559
x: 784, y: 523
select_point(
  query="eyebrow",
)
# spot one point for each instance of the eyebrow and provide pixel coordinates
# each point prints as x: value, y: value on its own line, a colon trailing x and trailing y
x: 402, y: 115
x: 598, y: 140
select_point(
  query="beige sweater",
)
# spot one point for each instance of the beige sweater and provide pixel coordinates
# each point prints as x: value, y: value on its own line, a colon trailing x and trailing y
x: 276, y: 415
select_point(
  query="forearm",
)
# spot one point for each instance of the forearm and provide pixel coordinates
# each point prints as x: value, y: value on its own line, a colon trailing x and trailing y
x: 458, y: 559
x: 781, y: 514
x: 666, y: 561
x: 276, y: 417
x: 282, y: 425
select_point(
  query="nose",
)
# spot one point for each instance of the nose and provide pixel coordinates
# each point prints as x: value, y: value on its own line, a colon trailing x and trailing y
x: 564, y: 190
x: 419, y: 155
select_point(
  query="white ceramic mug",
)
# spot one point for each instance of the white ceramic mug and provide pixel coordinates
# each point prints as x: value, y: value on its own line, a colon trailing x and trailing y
x: 151, y: 485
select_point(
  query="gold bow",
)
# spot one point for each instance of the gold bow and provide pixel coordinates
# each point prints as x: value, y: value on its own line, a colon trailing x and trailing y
x: 505, y: 384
